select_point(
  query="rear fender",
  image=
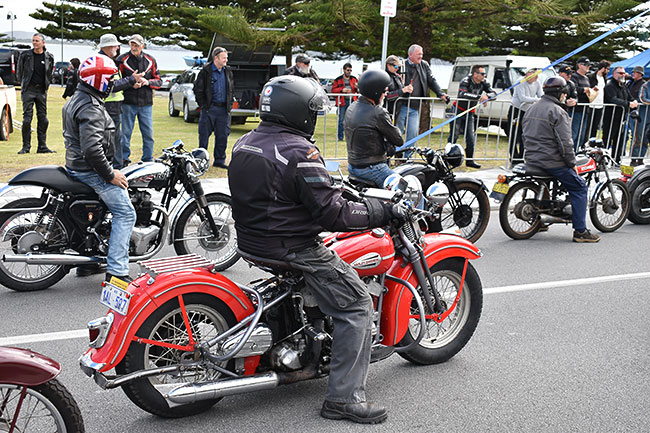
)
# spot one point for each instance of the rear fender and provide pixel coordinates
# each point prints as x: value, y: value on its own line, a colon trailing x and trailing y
x: 397, y: 301
x: 640, y: 174
x: 146, y: 298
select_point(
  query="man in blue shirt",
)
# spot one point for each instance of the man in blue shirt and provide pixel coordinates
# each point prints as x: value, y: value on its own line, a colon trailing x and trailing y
x: 213, y: 92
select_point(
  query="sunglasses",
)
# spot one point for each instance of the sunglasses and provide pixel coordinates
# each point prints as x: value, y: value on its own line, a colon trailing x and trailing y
x: 348, y: 70
x: 481, y: 73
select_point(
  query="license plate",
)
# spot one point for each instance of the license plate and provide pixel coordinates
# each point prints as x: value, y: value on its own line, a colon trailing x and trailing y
x: 501, y: 188
x: 115, y: 298
x: 627, y: 170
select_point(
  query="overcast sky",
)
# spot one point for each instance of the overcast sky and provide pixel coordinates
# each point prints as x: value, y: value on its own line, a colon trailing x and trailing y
x: 22, y: 9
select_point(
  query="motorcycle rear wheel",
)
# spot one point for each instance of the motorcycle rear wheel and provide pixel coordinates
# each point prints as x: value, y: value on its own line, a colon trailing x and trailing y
x: 443, y: 340
x: 192, y: 235
x: 46, y: 407
x: 640, y: 200
x: 517, y: 218
x: 471, y: 215
x: 603, y: 215
x: 208, y: 318
x: 22, y: 277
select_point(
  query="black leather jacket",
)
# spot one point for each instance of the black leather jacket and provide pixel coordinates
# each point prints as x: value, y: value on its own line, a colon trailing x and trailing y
x: 282, y: 195
x: 469, y: 92
x: 369, y: 133
x: 203, y: 87
x: 394, y: 92
x: 26, y: 68
x: 427, y: 80
x: 89, y: 133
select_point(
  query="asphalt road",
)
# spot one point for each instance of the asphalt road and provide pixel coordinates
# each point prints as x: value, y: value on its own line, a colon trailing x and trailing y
x: 562, y: 346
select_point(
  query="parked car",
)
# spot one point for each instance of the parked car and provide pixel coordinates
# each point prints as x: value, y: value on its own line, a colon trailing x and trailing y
x: 181, y: 95
x: 61, y: 71
x: 168, y: 81
x: 8, y: 107
x: 8, y: 63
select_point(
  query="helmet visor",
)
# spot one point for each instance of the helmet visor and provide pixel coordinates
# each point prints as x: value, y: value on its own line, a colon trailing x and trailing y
x: 320, y: 100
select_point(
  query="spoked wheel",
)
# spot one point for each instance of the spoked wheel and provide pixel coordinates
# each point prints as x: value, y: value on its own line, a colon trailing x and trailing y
x: 518, y: 213
x: 193, y: 235
x: 640, y: 208
x: 207, y: 317
x: 443, y: 340
x: 19, y: 234
x: 44, y: 408
x: 469, y: 210
x: 604, y: 214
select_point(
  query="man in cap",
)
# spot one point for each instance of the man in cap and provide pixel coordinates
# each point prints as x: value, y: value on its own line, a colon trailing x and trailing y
x: 572, y: 94
x: 597, y: 81
x: 584, y: 89
x: 637, y: 123
x: 213, y: 90
x: 138, y: 100
x: 303, y: 68
x: 618, y: 103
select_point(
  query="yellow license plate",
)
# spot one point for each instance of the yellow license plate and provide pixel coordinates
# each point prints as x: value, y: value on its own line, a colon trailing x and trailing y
x: 502, y: 188
x: 627, y: 170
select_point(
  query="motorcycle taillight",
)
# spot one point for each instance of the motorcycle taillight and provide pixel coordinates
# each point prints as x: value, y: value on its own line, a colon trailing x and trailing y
x: 99, y: 329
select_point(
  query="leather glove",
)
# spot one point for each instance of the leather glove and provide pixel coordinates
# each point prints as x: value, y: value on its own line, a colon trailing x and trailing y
x: 381, y: 213
x: 398, y: 213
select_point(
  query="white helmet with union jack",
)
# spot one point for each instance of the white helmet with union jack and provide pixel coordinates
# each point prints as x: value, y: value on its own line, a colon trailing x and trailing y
x: 97, y: 72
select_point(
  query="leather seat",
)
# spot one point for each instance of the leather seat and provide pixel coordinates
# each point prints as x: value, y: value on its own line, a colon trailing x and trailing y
x: 51, y: 176
x: 270, y: 265
x: 529, y: 170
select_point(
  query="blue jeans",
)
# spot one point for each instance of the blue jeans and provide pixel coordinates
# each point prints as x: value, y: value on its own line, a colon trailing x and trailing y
x: 466, y: 126
x: 577, y: 188
x: 408, y: 118
x: 215, y: 119
x: 578, y: 128
x: 341, y: 127
x: 376, y: 173
x: 119, y: 203
x: 145, y: 121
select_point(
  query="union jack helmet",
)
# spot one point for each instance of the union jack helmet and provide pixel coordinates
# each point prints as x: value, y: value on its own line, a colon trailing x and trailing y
x: 97, y: 71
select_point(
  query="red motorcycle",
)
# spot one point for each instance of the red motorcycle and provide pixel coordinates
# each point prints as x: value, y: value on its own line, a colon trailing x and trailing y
x: 182, y: 336
x: 31, y: 399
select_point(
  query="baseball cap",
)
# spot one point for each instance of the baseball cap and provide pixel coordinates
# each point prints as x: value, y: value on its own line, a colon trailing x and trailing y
x: 138, y: 39
x: 108, y: 40
x: 303, y: 58
x: 583, y: 60
x: 639, y: 69
x: 566, y: 69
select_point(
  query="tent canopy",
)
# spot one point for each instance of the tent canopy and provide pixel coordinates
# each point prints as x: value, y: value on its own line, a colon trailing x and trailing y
x: 641, y: 59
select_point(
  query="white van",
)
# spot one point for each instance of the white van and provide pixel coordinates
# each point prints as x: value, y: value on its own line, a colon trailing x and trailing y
x: 501, y: 73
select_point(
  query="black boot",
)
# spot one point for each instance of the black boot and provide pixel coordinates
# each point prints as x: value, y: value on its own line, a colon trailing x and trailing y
x: 23, y: 150
x: 469, y: 160
x: 364, y: 413
x: 86, y: 270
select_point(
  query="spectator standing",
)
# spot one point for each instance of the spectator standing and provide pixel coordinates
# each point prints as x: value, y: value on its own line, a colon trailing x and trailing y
x: 637, y: 122
x: 138, y: 100
x: 213, y: 90
x: 616, y: 93
x: 73, y: 78
x: 572, y: 94
x: 34, y: 71
x: 583, y: 87
x: 346, y: 83
x: 526, y: 94
x: 418, y: 74
x: 303, y: 68
x: 638, y: 153
x: 472, y: 90
x: 597, y: 81
x: 396, y: 88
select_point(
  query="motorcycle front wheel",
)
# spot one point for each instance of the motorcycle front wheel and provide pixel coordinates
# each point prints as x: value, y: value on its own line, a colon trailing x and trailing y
x: 194, y: 235
x: 469, y: 209
x: 25, y: 229
x: 208, y: 317
x: 640, y: 206
x: 604, y: 215
x: 443, y: 340
x: 45, y: 408
x: 517, y: 214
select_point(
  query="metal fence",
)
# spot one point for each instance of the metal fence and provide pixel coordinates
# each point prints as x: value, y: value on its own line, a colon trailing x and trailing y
x: 496, y: 128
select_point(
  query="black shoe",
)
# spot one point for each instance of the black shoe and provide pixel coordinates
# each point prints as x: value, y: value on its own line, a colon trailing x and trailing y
x: 23, y: 151
x: 585, y: 236
x: 220, y: 165
x: 472, y: 164
x: 45, y: 150
x: 86, y: 270
x: 125, y: 278
x: 364, y: 413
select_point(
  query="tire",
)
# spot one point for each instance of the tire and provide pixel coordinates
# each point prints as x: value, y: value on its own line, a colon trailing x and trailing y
x: 20, y: 276
x: 640, y: 199
x: 603, y: 215
x: 46, y: 407
x: 173, y: 112
x: 446, y: 339
x: 471, y: 214
x: 186, y: 113
x: 518, y: 218
x: 4, y: 125
x: 191, y: 235
x: 209, y: 317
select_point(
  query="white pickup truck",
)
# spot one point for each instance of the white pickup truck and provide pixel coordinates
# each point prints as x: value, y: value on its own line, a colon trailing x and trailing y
x: 8, y: 105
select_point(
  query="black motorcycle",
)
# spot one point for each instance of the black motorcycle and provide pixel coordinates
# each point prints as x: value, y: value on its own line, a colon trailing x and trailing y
x: 459, y: 201
x: 639, y: 186
x: 42, y: 238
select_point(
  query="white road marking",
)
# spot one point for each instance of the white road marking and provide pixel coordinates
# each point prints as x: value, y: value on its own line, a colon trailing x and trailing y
x: 83, y: 333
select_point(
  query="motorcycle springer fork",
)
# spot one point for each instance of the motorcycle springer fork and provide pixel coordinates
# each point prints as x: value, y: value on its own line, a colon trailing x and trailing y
x: 196, y: 189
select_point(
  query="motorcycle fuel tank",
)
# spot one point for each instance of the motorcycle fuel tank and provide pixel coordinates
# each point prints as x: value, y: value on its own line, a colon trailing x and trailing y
x: 369, y: 252
x: 147, y: 175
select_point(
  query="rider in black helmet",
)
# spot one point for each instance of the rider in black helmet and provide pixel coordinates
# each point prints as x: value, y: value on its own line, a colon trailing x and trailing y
x: 369, y: 132
x: 282, y: 198
x: 549, y: 146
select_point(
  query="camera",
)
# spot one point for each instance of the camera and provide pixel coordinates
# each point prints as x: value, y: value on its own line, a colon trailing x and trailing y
x: 634, y: 114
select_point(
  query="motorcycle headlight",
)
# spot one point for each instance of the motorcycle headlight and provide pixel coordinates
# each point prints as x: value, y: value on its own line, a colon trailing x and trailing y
x: 437, y: 194
x: 413, y: 191
x: 392, y: 182
x: 201, y: 160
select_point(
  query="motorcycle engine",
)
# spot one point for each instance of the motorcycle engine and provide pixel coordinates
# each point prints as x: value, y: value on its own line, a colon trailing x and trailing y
x: 141, y: 201
x: 144, y: 232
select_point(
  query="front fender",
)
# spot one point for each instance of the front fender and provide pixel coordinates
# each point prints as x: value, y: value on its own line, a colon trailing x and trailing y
x: 640, y: 174
x: 460, y: 179
x: 146, y: 298
x: 218, y: 188
x: 397, y: 301
x: 26, y: 368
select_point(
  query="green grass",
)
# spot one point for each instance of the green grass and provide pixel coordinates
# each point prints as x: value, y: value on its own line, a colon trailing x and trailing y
x: 168, y: 129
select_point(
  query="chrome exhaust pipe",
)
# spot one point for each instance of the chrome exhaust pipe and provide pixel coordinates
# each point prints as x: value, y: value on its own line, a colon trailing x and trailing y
x: 193, y: 392
x: 51, y: 259
x: 547, y: 219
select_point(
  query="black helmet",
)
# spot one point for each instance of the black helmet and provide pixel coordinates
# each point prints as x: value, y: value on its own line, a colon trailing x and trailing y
x: 454, y: 154
x: 373, y: 83
x: 292, y: 101
x: 555, y: 86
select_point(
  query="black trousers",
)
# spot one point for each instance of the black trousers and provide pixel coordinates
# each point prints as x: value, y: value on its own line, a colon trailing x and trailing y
x: 31, y: 98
